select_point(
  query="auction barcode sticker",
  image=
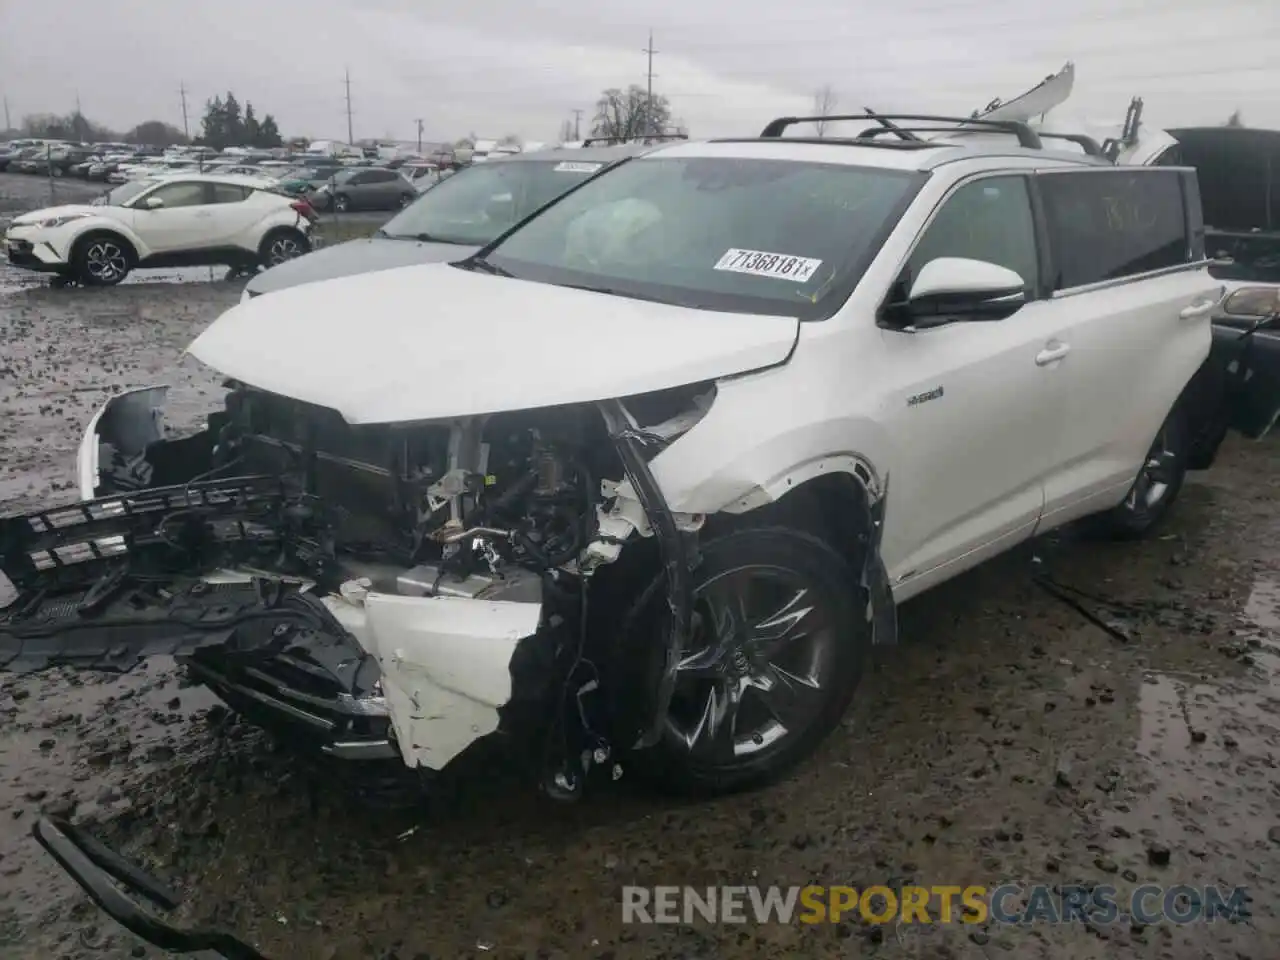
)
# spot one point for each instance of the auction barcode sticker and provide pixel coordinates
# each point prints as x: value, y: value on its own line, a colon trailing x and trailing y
x: 761, y: 263
x: 577, y: 166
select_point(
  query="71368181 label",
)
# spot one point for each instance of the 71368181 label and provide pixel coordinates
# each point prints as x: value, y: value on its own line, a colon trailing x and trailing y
x: 761, y: 263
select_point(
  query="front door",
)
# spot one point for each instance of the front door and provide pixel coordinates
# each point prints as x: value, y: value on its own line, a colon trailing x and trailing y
x: 977, y: 412
x: 184, y: 222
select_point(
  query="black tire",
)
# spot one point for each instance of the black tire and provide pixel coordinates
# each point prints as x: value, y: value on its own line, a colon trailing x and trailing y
x: 281, y: 245
x: 801, y: 559
x: 1155, y: 488
x: 94, y: 251
x: 341, y: 204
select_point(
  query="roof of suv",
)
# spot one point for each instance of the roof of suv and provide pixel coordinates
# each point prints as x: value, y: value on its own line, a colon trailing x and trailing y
x: 895, y: 141
x: 872, y: 153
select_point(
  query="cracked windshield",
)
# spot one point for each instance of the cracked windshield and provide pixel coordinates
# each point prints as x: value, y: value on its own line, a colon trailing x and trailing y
x: 445, y: 503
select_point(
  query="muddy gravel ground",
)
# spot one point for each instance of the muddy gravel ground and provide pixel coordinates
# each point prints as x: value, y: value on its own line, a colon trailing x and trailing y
x: 1128, y: 737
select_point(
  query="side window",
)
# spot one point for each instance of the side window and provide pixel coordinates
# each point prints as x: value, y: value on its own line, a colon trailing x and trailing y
x: 229, y: 193
x: 1111, y: 224
x: 380, y: 176
x: 989, y: 219
x: 190, y: 194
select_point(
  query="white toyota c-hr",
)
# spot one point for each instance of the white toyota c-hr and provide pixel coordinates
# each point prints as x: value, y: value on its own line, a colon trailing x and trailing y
x: 185, y: 220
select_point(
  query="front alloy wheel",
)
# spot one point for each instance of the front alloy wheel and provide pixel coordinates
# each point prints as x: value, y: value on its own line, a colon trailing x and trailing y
x: 103, y: 262
x: 775, y: 652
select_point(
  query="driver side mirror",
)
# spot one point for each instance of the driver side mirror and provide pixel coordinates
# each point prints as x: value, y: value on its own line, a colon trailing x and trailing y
x: 153, y: 203
x: 948, y: 289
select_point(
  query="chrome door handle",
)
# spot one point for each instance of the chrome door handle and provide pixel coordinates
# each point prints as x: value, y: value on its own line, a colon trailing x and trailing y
x: 1050, y: 354
x: 1198, y: 309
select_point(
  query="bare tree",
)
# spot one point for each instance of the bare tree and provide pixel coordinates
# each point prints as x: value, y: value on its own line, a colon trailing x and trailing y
x: 630, y: 114
x: 510, y: 140
x: 1235, y: 120
x: 825, y: 101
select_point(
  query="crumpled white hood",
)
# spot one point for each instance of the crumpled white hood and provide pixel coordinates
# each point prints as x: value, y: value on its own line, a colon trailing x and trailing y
x: 431, y: 342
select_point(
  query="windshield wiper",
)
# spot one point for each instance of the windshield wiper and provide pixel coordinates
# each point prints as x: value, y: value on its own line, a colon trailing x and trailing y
x: 420, y: 237
x: 485, y: 266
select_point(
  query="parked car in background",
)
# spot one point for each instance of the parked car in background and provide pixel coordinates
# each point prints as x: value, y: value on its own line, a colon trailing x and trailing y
x: 163, y: 221
x: 9, y: 157
x: 454, y: 218
x: 304, y: 179
x: 375, y: 188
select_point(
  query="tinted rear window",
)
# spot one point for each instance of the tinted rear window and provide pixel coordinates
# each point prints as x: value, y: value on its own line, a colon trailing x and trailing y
x: 1106, y: 225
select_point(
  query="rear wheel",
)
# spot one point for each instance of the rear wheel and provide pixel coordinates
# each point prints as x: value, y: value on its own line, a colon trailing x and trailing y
x: 1156, y: 486
x: 281, y: 245
x: 341, y: 204
x: 775, y: 654
x: 102, y: 259
x: 406, y: 199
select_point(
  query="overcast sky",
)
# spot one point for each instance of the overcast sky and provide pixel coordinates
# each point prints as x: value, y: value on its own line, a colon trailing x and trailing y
x: 494, y: 67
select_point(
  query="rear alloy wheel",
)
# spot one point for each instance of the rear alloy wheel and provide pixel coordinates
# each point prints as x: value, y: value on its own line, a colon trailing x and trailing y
x: 776, y: 651
x: 1155, y: 488
x: 341, y: 204
x: 281, y: 246
x: 101, y: 261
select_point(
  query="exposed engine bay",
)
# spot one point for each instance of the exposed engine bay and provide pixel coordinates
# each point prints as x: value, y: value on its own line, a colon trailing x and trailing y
x: 257, y: 549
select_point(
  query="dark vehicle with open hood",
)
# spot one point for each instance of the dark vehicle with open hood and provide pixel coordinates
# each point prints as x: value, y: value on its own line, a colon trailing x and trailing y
x: 614, y: 490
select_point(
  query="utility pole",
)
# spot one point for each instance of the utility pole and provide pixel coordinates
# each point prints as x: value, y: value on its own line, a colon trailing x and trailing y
x: 182, y: 92
x: 351, y: 137
x: 577, y: 125
x: 648, y: 103
x: 8, y: 124
x: 419, y: 123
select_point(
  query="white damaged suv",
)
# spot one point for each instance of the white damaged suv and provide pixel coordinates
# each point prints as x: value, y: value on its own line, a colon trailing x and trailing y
x: 642, y: 480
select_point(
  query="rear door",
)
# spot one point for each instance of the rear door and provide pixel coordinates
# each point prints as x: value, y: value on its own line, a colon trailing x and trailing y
x: 1127, y: 255
x: 384, y: 189
x: 232, y: 213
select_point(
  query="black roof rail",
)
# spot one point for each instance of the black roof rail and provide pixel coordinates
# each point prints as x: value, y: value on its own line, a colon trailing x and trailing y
x: 1026, y: 136
x: 596, y: 141
x: 1086, y: 143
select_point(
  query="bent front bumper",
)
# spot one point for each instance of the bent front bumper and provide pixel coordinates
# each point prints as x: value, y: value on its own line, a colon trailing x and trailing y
x: 360, y: 673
